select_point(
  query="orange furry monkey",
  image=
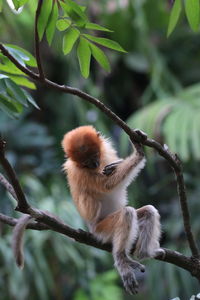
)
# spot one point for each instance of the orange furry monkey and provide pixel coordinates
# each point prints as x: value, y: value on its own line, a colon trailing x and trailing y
x: 98, y: 180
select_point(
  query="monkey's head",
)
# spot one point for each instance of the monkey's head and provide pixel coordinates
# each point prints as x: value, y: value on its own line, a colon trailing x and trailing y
x: 83, y: 146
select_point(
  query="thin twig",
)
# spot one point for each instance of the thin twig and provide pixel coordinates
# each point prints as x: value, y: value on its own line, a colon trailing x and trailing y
x: 185, y: 212
x: 7, y: 186
x: 21, y: 199
x: 172, y: 159
x: 37, y: 42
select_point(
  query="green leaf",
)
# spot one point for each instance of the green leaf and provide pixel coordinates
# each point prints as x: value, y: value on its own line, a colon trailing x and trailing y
x: 105, y: 42
x: 95, y: 26
x: 15, y: 92
x: 23, y: 81
x: 76, y: 14
x: 2, y: 76
x: 30, y: 99
x: 19, y: 3
x: 16, y: 4
x: 17, y: 55
x: 66, y: 9
x: 192, y: 9
x: 12, y: 93
x: 43, y: 17
x: 76, y: 8
x: 51, y: 26
x: 82, y: 7
x: 174, y: 16
x: 10, y: 68
x: 100, y: 57
x: 63, y: 24
x: 3, y: 84
x: 10, y: 107
x: 21, y: 55
x: 22, y: 2
x: 84, y: 57
x: 69, y: 40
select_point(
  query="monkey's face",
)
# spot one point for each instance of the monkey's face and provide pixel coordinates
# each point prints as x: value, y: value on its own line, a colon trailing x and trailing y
x: 91, y: 161
x: 87, y: 154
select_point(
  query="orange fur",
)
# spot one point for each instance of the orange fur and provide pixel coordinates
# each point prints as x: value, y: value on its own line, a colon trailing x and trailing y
x: 81, y: 143
x: 98, y: 180
x: 108, y: 224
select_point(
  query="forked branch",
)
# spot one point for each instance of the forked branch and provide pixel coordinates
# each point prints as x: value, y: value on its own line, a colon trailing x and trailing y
x: 172, y: 159
x: 46, y: 221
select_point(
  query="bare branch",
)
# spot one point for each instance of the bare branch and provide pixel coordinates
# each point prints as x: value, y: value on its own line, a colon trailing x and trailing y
x: 7, y: 185
x: 81, y: 236
x: 37, y: 42
x: 21, y: 199
x: 13, y: 221
x: 185, y: 212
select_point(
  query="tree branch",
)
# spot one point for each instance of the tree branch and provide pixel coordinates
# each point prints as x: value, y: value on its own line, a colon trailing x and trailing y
x: 87, y: 238
x: 21, y: 199
x: 37, y: 42
x: 13, y: 221
x: 162, y: 150
x: 7, y: 186
x: 47, y: 221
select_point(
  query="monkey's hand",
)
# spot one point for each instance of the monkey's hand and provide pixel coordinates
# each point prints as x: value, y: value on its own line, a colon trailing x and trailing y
x: 111, y: 168
x: 138, y: 144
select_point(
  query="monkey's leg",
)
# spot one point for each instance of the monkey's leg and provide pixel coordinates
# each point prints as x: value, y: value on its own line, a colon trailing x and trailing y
x: 149, y: 232
x: 121, y: 227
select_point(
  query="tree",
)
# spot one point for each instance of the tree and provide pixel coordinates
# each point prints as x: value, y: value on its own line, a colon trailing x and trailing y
x: 13, y: 98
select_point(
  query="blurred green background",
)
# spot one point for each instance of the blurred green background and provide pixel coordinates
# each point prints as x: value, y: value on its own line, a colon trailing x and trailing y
x: 154, y: 87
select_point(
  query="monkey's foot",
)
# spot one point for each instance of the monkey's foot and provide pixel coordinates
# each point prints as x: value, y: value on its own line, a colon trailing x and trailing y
x: 129, y: 279
x: 110, y: 169
x: 137, y: 266
x: 130, y: 283
x: 127, y: 268
x: 159, y: 253
x: 154, y: 253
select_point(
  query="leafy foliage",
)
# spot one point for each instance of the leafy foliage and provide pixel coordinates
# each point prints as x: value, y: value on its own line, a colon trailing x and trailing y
x: 192, y: 11
x: 73, y: 21
x: 175, y: 120
x: 13, y: 98
x: 174, y: 16
x: 154, y: 68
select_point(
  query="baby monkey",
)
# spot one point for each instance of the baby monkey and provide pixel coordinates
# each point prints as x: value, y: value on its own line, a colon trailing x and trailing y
x: 98, y: 181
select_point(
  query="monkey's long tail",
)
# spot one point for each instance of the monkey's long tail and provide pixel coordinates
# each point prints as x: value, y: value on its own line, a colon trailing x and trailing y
x: 17, y: 239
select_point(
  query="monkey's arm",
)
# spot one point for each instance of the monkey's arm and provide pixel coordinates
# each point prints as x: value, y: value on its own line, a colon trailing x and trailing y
x: 125, y: 170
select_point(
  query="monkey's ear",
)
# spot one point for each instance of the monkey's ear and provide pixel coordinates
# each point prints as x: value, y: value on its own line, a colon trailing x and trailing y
x: 98, y: 133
